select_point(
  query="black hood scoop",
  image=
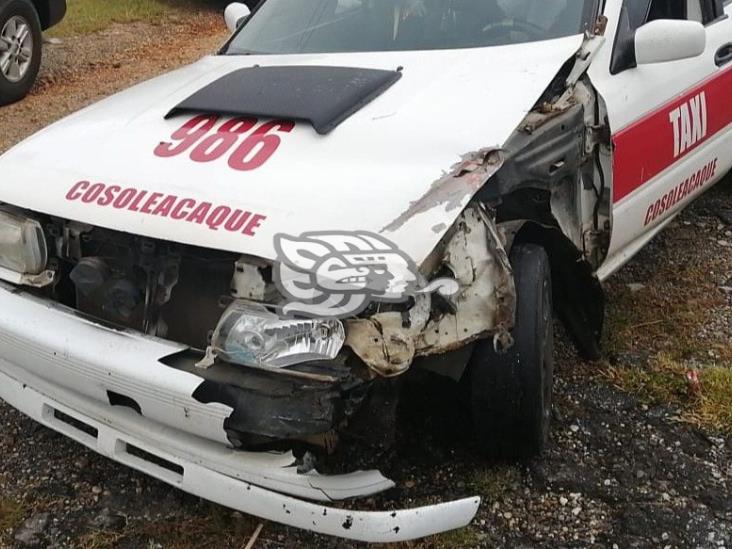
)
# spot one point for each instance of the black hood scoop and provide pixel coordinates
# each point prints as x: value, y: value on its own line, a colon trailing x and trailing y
x: 323, y: 96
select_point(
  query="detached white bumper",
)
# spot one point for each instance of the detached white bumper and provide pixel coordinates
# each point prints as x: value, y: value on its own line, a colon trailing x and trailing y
x: 57, y: 368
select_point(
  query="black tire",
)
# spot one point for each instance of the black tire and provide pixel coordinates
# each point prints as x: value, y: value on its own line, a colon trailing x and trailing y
x: 511, y: 393
x: 10, y: 89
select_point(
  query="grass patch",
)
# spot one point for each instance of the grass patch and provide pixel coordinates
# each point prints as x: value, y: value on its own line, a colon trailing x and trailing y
x: 654, y: 332
x: 12, y: 514
x: 494, y: 483
x: 715, y: 402
x: 663, y: 381
x: 216, y: 528
x: 657, y: 316
x: 99, y: 540
x: 464, y: 537
x: 86, y: 16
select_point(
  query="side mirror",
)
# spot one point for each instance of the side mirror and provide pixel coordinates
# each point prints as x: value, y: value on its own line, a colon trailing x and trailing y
x: 235, y: 14
x: 666, y: 40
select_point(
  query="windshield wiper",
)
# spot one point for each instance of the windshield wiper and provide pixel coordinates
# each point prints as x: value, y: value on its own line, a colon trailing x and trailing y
x: 244, y: 52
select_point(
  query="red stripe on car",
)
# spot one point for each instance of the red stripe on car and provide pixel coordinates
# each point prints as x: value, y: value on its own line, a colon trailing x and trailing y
x: 657, y: 141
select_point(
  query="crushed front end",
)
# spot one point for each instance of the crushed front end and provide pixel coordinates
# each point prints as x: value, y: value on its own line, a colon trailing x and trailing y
x: 213, y: 371
x: 288, y: 379
x: 177, y: 361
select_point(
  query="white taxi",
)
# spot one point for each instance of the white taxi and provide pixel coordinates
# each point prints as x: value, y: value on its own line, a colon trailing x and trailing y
x: 213, y: 276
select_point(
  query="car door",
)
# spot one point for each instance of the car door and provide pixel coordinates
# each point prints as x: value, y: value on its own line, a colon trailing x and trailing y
x: 671, y: 122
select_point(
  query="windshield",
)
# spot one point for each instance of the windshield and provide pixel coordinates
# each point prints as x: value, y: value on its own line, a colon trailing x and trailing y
x: 324, y: 26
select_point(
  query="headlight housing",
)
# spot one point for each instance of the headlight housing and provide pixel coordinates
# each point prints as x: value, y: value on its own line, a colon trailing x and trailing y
x: 251, y: 335
x: 23, y: 251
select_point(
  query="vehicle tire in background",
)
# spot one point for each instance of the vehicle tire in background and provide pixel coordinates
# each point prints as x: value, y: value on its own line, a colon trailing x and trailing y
x: 20, y: 49
x: 511, y: 392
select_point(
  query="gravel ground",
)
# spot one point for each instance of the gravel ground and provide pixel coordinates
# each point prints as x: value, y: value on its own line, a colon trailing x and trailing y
x: 85, y: 69
x: 620, y: 472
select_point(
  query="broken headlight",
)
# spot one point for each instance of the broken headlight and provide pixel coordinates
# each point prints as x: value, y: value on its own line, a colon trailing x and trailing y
x: 251, y: 335
x: 22, y: 245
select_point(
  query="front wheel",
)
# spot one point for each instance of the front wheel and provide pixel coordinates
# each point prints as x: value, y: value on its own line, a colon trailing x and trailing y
x: 20, y: 49
x: 511, y: 392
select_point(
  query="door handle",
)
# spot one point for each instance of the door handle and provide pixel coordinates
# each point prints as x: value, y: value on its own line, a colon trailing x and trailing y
x: 724, y: 55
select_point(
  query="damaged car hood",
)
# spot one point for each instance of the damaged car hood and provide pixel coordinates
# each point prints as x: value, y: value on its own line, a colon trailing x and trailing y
x: 396, y: 165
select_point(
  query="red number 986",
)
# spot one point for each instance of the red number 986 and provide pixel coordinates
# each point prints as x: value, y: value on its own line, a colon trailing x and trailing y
x: 248, y: 149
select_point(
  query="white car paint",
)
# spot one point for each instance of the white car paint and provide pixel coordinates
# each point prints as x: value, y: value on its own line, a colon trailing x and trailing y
x: 41, y: 378
x: 363, y: 176
x: 402, y: 143
x: 372, y: 167
x: 634, y: 94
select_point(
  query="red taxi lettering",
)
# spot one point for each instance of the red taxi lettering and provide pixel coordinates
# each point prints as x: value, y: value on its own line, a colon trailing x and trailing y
x: 689, y: 122
x: 183, y: 209
x: 648, y: 147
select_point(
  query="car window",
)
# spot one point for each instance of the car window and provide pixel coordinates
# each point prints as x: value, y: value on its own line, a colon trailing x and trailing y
x: 641, y: 12
x: 556, y: 17
x: 668, y: 9
x: 637, y: 12
x: 320, y: 26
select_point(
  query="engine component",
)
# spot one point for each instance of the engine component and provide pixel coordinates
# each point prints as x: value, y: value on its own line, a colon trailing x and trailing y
x: 90, y: 274
x: 121, y: 299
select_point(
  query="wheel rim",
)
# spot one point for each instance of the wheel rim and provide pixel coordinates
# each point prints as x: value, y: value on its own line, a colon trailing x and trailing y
x: 16, y: 48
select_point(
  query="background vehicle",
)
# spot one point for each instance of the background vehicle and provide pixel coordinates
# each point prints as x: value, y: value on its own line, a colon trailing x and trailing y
x: 21, y: 43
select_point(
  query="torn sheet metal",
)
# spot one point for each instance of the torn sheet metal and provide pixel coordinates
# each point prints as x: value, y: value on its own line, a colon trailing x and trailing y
x: 383, y: 343
x: 248, y: 282
x: 486, y: 304
x: 487, y: 300
x: 386, y: 341
x: 41, y: 280
x: 455, y: 188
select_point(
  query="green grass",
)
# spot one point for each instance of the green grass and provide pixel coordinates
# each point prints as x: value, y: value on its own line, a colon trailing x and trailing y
x: 651, y: 316
x: 494, y: 483
x: 213, y: 528
x: 655, y: 331
x: 663, y: 381
x: 11, y: 515
x: 99, y: 540
x: 86, y: 16
x: 464, y: 538
x: 715, y: 401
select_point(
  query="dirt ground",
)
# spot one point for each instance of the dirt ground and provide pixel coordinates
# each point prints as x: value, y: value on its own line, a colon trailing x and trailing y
x: 623, y: 469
